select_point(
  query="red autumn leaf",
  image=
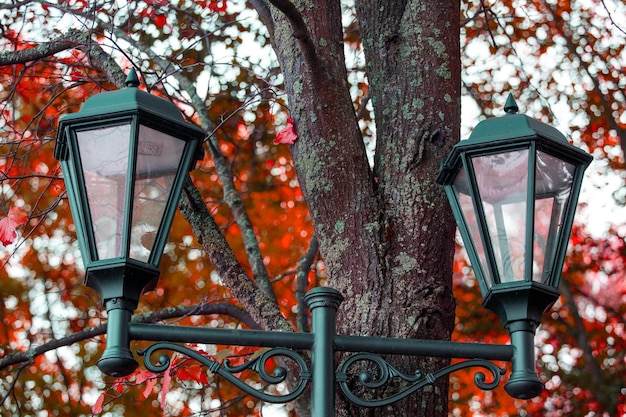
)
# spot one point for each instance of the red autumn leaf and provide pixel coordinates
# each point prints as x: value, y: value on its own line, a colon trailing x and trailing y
x: 160, y: 21
x: 15, y: 218
x: 165, y: 385
x: 217, y: 6
x: 287, y: 135
x: 118, y: 385
x: 97, y: 407
x: 192, y: 373
x: 143, y: 375
x: 149, y: 378
x: 150, y: 383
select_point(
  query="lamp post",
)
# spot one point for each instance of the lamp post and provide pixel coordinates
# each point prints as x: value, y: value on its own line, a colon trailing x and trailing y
x: 513, y: 186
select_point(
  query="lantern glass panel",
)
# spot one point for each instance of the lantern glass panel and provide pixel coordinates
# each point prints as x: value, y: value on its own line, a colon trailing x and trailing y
x: 461, y: 190
x: 502, y: 181
x: 495, y: 210
x: 553, y: 183
x: 104, y: 159
x: 158, y: 157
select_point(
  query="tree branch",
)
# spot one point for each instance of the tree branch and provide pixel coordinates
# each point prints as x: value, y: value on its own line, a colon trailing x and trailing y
x: 296, y: 21
x: 72, y: 39
x: 605, y: 105
x: 105, y: 63
x: 265, y: 14
x: 226, y: 309
x: 202, y: 309
x: 29, y: 355
x: 263, y: 309
x: 298, y: 26
x: 580, y: 333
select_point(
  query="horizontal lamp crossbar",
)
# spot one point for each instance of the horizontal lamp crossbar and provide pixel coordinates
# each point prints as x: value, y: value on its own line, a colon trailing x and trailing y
x: 371, y: 344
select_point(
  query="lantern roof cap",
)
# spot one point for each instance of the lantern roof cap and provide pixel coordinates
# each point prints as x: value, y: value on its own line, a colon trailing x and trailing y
x: 110, y: 106
x: 511, y: 130
x: 512, y: 126
x: 130, y: 100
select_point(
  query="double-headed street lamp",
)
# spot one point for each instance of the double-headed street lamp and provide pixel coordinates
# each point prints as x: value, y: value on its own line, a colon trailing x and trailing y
x: 513, y: 186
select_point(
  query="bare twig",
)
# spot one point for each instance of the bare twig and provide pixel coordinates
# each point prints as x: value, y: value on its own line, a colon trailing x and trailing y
x: 608, y: 12
x: 302, y: 281
x: 486, y: 12
x: 15, y: 379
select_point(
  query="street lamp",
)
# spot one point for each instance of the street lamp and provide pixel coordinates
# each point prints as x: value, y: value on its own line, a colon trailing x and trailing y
x: 124, y: 157
x: 513, y: 187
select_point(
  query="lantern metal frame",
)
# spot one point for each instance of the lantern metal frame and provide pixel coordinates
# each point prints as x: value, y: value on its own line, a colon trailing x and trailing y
x: 126, y: 279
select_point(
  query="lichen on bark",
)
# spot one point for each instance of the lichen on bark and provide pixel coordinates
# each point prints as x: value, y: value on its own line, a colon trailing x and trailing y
x: 386, y: 235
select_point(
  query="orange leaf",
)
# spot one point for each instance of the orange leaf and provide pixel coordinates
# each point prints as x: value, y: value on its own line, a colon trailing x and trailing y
x: 192, y: 373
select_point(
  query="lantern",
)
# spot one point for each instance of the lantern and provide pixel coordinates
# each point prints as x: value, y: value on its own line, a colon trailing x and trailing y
x: 513, y: 187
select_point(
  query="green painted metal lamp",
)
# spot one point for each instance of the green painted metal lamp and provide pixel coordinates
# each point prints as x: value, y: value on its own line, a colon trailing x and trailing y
x: 513, y: 187
x: 124, y: 158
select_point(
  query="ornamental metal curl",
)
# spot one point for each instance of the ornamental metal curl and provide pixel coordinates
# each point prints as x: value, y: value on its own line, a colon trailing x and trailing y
x: 386, y: 372
x: 258, y: 365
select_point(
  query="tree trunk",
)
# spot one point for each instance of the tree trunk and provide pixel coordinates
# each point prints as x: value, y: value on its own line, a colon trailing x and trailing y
x: 387, y: 234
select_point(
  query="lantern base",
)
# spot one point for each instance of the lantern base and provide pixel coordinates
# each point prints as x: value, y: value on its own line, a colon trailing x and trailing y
x: 117, y: 362
x: 525, y: 386
x: 121, y: 278
x: 520, y: 301
x: 524, y: 382
x: 117, y: 359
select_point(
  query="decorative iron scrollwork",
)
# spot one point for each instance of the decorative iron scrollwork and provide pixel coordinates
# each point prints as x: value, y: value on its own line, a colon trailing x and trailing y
x: 384, y: 372
x: 257, y: 364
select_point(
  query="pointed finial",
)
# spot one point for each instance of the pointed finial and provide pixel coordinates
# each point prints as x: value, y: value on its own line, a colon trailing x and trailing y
x: 132, y: 80
x: 510, y: 107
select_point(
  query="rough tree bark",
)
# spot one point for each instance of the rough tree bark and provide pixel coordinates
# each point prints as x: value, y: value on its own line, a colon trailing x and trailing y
x: 386, y: 234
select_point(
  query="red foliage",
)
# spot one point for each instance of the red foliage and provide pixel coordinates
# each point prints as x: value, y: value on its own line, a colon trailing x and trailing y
x: 213, y: 5
x: 287, y: 135
x: 15, y: 218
